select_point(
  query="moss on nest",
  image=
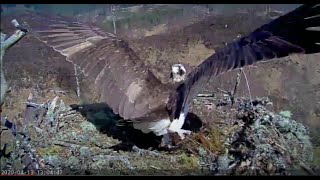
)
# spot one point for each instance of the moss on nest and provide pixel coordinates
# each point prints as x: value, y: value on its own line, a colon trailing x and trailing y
x: 50, y: 151
x: 189, y: 161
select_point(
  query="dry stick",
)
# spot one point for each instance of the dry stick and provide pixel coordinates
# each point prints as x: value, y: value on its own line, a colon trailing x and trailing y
x: 206, y: 95
x: 124, y: 159
x: 197, y: 143
x: 145, y: 152
x: 235, y: 88
x: 247, y: 82
x: 77, y: 79
x: 223, y: 91
x: 154, y: 167
x: 31, y: 107
x: 66, y: 144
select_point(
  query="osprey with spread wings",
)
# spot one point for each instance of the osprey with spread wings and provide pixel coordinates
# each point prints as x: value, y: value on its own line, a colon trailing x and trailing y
x: 114, y: 74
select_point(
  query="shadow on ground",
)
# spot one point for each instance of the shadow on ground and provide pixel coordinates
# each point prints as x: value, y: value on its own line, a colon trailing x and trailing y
x: 100, y: 115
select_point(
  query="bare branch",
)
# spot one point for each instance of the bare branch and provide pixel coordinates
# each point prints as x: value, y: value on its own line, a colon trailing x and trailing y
x: 5, y: 45
x: 235, y: 88
x: 205, y: 95
x: 77, y: 79
x: 247, y: 82
x: 16, y: 37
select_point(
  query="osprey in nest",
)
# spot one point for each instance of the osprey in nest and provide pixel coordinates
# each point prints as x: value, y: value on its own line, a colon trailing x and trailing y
x: 114, y: 74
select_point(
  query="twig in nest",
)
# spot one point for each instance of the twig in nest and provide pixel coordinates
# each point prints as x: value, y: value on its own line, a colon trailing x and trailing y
x: 221, y: 90
x: 69, y: 114
x: 66, y: 144
x: 58, y: 91
x: 154, y: 167
x: 205, y: 95
x: 197, y: 143
x: 34, y: 104
x: 247, y: 82
x: 235, y: 88
x: 123, y: 159
x: 145, y: 152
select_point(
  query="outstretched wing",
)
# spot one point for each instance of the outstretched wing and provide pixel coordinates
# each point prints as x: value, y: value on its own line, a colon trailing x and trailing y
x: 295, y: 32
x: 111, y: 71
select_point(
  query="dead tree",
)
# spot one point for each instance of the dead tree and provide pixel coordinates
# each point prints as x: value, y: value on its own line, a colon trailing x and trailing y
x: 5, y: 45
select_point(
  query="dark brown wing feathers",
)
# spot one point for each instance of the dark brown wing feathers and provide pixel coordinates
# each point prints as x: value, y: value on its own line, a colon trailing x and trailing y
x: 112, y: 72
x: 281, y: 37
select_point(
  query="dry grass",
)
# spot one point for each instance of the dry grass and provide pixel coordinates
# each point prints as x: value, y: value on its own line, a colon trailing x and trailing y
x: 316, y: 160
x: 212, y: 141
x: 161, y: 28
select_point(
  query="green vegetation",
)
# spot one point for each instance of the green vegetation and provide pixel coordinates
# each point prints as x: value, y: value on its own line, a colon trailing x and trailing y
x: 50, y: 151
x: 316, y: 159
x: 147, y: 17
x: 128, y: 20
x: 60, y: 9
x: 189, y: 161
